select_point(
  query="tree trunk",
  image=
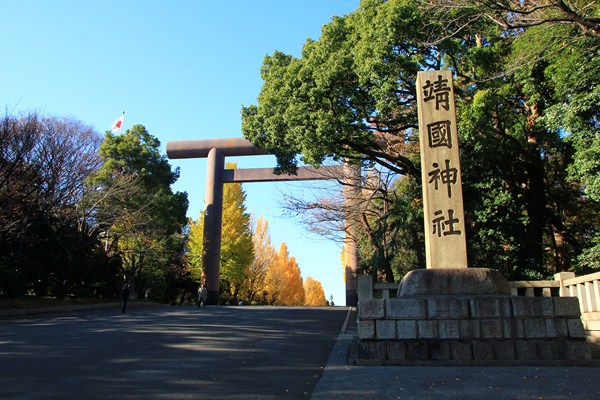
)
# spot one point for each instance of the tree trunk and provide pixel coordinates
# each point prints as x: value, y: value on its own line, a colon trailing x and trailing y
x: 418, y: 247
x: 536, y: 206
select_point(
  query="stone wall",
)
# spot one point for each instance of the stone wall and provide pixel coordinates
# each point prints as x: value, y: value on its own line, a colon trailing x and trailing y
x: 470, y: 328
x: 591, y: 325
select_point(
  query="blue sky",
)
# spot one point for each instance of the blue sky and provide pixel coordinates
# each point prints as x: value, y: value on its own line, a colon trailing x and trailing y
x: 181, y: 68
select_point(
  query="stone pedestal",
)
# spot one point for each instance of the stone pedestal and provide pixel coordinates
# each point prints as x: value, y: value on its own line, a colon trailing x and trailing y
x: 452, y: 327
x: 453, y: 281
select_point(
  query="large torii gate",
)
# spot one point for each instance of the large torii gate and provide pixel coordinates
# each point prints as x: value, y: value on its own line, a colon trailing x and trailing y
x: 215, y: 150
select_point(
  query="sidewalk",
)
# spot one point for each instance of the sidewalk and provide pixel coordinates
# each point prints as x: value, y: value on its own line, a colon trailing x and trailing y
x: 342, y: 381
x: 17, y: 312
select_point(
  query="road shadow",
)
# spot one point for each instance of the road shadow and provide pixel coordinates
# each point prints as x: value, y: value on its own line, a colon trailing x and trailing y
x: 169, y: 352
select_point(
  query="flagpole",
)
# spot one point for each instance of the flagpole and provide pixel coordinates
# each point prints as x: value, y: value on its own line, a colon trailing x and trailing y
x: 121, y: 128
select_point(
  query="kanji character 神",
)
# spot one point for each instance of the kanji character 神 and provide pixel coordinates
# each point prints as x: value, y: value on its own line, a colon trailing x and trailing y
x: 447, y: 176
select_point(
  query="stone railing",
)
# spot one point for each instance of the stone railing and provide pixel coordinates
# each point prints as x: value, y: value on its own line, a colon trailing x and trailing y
x: 565, y: 284
x: 368, y: 290
x: 587, y: 289
x: 535, y: 288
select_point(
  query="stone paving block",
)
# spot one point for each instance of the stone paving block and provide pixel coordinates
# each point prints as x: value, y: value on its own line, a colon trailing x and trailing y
x: 440, y: 350
x: 566, y: 307
x: 470, y: 329
x: 447, y: 307
x: 532, y: 307
x: 491, y: 329
x: 576, y: 328
x: 371, y: 350
x: 535, y: 328
x: 427, y: 329
x: 396, y: 350
x: 504, y: 349
x: 461, y: 350
x: 556, y: 328
x: 417, y: 350
x: 449, y: 329
x: 366, y: 329
x: 406, y: 329
x: 405, y: 308
x: 371, y: 309
x: 483, y: 350
x: 385, y: 329
x: 526, y: 350
x: 490, y: 307
x: 577, y: 350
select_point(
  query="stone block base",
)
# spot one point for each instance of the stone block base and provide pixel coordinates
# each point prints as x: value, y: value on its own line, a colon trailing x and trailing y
x: 468, y: 352
x: 479, y: 329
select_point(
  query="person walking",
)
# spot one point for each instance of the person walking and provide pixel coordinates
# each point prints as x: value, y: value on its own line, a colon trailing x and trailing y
x: 201, y: 296
x: 124, y: 296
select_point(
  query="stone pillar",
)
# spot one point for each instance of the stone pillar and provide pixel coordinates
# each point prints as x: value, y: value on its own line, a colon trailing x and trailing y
x: 352, y: 183
x: 560, y: 278
x: 365, y: 287
x: 213, y: 216
x: 445, y: 240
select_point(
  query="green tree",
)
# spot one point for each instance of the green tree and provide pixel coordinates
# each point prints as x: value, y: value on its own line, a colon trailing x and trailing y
x: 536, y: 79
x: 148, y: 233
x: 352, y: 96
x: 518, y: 143
x: 580, y: 16
x: 575, y: 113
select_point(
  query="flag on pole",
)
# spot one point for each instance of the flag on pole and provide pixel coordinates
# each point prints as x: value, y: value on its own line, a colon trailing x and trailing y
x: 118, y: 124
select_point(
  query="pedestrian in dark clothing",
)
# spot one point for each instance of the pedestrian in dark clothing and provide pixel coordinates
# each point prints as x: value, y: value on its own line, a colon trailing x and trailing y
x: 201, y: 296
x: 124, y: 297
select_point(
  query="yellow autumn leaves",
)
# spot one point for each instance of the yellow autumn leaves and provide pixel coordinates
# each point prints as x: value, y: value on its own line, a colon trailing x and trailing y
x: 252, y: 271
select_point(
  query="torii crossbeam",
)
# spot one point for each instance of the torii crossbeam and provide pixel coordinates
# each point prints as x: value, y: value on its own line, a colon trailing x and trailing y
x: 215, y: 150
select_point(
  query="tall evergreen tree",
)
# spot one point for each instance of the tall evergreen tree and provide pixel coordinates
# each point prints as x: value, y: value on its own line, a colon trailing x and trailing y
x: 352, y: 96
x: 148, y: 233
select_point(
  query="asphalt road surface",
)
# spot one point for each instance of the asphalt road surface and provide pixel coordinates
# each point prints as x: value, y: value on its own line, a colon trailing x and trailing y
x: 168, y: 353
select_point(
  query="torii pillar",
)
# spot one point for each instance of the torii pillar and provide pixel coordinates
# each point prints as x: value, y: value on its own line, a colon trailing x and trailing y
x: 215, y: 150
x: 213, y: 221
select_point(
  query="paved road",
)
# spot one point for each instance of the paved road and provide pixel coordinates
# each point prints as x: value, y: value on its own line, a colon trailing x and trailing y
x: 168, y: 353
x: 239, y: 353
